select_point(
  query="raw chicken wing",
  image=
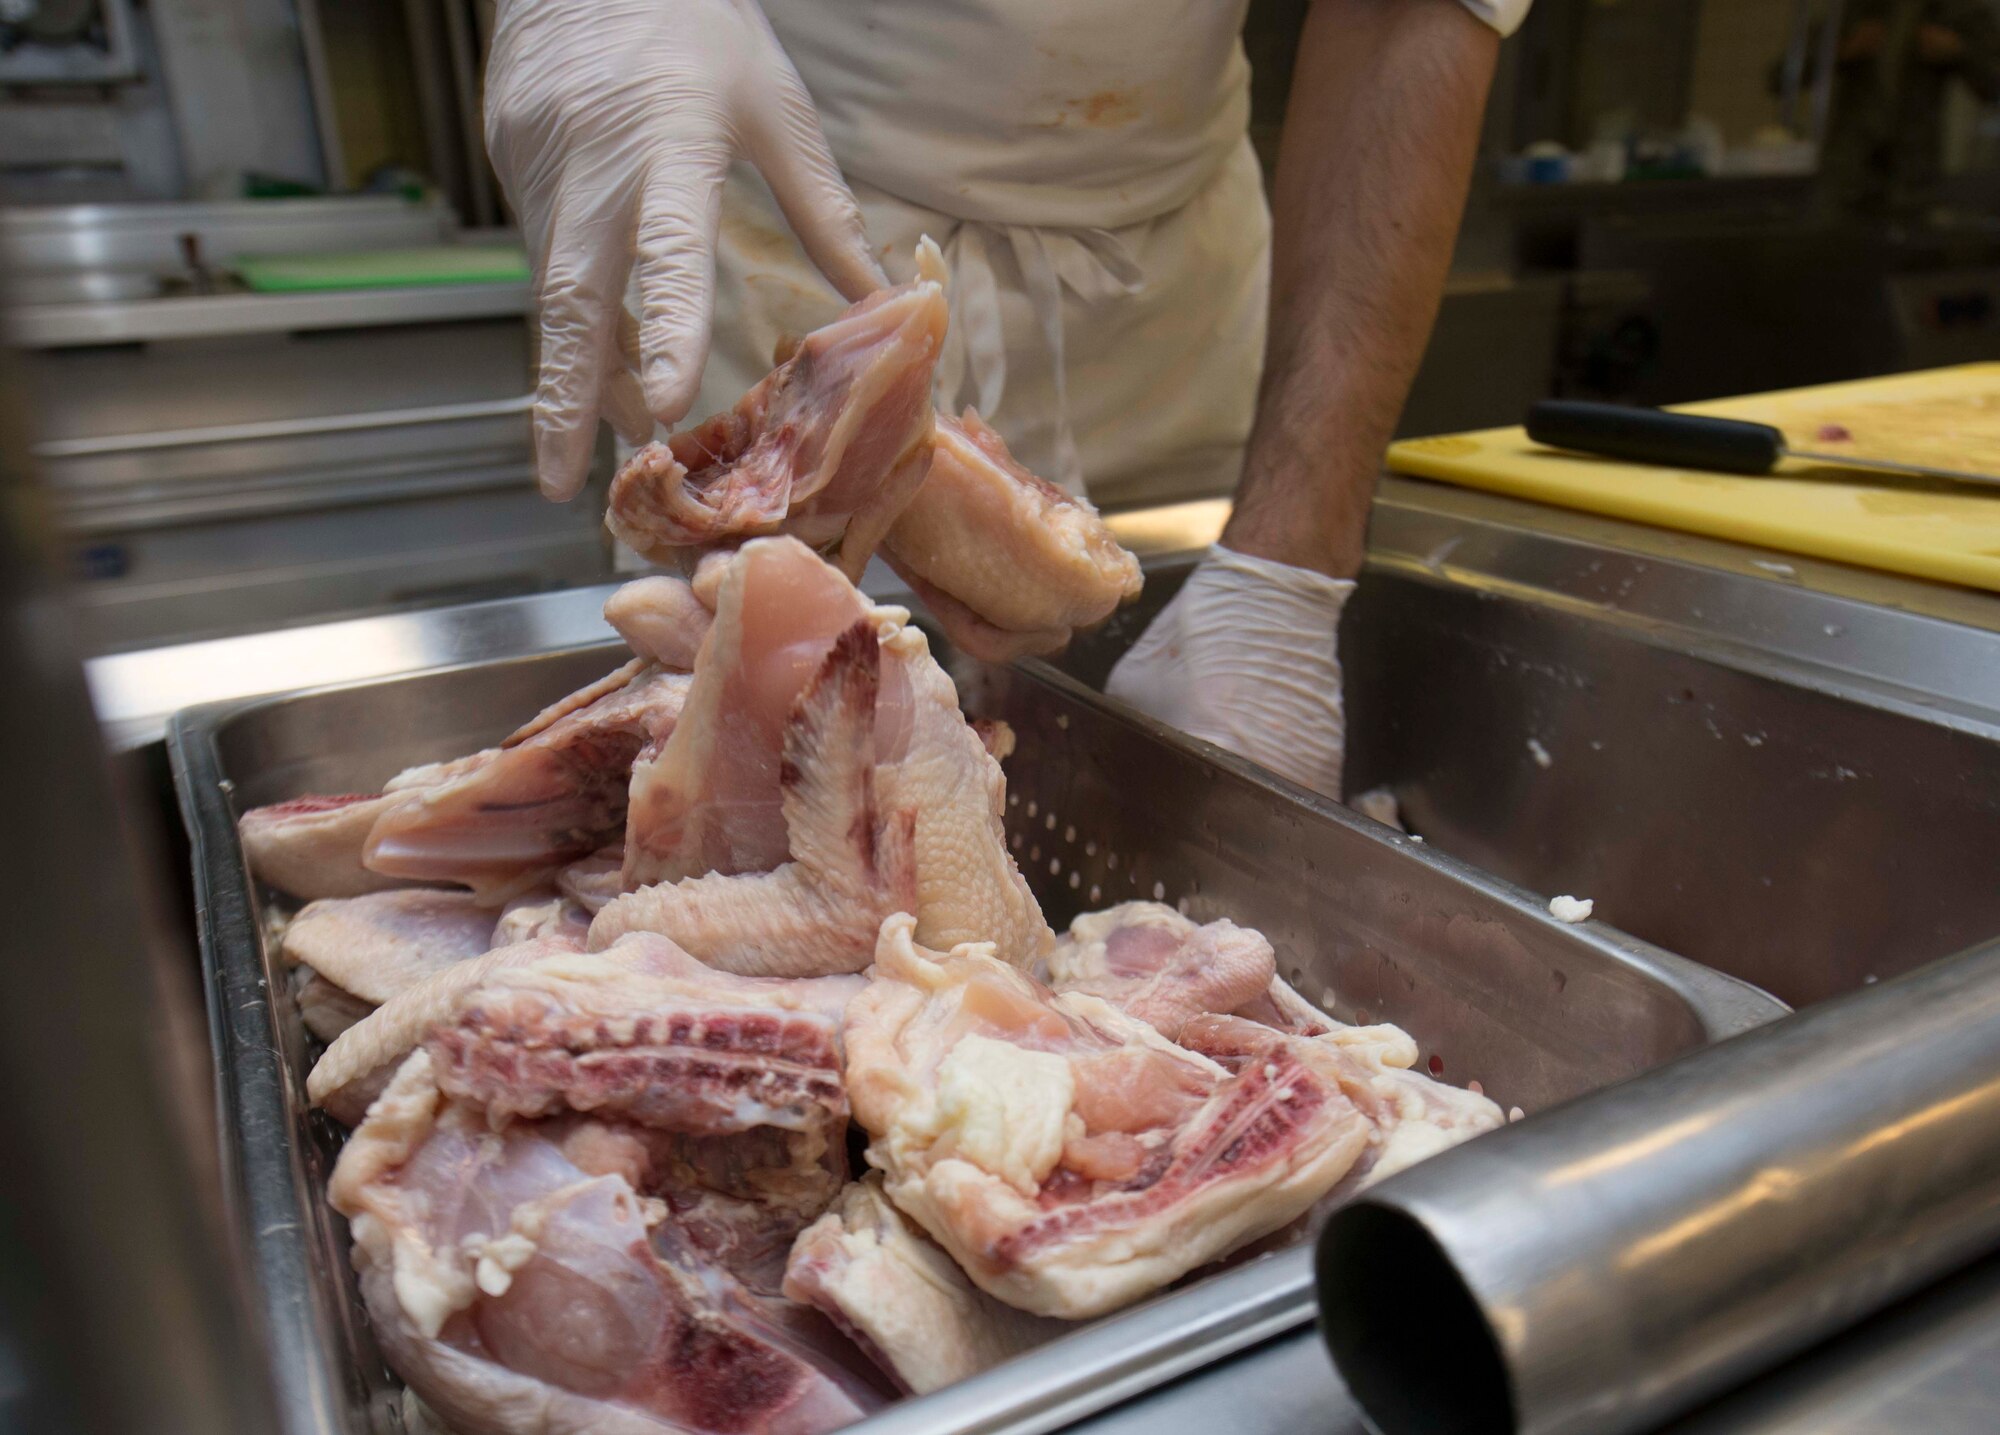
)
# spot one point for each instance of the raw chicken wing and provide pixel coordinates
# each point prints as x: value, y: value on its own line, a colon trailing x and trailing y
x: 1008, y: 563
x: 553, y: 792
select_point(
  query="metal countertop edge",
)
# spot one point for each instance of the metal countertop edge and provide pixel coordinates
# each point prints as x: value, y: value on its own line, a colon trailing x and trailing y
x: 1921, y: 648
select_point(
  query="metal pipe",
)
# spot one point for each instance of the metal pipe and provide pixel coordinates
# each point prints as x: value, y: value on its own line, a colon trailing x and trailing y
x: 283, y: 428
x: 1610, y: 1263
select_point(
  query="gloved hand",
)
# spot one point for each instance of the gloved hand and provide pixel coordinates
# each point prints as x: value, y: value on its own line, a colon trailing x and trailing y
x: 612, y: 124
x: 1245, y: 657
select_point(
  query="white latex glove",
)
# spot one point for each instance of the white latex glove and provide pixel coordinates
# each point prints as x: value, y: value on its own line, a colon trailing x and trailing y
x: 612, y: 125
x: 1245, y: 657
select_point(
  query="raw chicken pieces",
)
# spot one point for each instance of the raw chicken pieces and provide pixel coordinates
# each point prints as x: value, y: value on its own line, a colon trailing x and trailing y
x: 311, y: 845
x: 360, y: 1060
x: 828, y: 448
x: 513, y: 1197
x: 1152, y: 963
x: 552, y: 793
x: 507, y: 818
x: 822, y: 778
x: 1009, y: 564
x: 1214, y: 989
x: 375, y: 946
x: 901, y: 1298
x: 1069, y: 1157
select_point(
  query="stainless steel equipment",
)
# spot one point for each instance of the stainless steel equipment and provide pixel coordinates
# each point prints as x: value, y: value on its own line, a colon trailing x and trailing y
x: 1103, y: 806
x: 1611, y: 1264
x: 1786, y: 769
x: 222, y: 460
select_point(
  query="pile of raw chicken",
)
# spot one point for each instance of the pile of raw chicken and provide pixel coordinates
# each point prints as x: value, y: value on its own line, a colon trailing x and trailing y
x: 618, y: 1009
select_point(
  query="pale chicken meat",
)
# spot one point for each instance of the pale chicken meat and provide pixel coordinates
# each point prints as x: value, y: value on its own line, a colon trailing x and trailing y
x: 709, y: 800
x: 550, y: 794
x: 358, y: 1062
x: 661, y: 619
x: 311, y: 846
x: 829, y: 447
x: 377, y: 945
x: 822, y: 777
x: 1069, y: 1157
x: 541, y: 913
x: 1009, y: 564
x: 507, y: 817
x: 899, y: 1297
x: 847, y: 863
x: 1152, y: 963
x: 1414, y: 1115
x: 744, y: 1074
x: 513, y: 1198
x: 1214, y: 989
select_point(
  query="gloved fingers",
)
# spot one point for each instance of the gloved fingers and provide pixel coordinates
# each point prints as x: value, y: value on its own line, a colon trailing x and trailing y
x: 624, y: 397
x: 625, y: 406
x: 578, y: 299
x: 782, y: 136
x: 678, y: 215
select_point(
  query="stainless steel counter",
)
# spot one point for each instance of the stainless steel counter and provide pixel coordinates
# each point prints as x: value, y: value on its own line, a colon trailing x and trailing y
x: 1912, y: 646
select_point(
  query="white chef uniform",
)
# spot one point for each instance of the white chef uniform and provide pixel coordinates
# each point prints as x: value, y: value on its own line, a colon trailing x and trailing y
x: 1085, y: 165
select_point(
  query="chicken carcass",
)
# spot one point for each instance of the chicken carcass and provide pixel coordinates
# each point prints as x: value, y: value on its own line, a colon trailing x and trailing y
x: 1009, y: 564
x: 1214, y: 989
x: 829, y: 447
x: 1152, y: 963
x: 358, y: 1063
x: 527, y: 1277
x: 899, y: 1297
x: 1068, y: 1156
x: 377, y: 945
x: 1413, y: 1115
x: 822, y: 764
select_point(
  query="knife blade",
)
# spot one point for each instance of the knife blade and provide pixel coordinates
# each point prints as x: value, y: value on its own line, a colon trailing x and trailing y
x: 1656, y: 436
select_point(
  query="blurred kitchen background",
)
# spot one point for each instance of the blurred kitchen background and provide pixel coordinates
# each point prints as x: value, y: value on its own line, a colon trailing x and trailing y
x: 274, y: 327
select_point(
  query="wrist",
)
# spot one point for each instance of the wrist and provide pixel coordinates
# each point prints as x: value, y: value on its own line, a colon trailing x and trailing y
x: 1331, y: 543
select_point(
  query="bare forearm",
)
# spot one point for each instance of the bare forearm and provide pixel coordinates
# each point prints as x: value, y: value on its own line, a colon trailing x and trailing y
x: 1378, y: 147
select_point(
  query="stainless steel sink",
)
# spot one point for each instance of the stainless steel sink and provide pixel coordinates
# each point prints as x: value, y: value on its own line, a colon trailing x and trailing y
x: 1789, y: 771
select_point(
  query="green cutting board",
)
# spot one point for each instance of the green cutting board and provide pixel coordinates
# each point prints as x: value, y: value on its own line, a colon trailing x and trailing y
x: 385, y: 268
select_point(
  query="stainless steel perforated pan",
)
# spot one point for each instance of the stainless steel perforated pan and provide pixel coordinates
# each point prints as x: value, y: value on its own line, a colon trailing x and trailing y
x: 1103, y: 806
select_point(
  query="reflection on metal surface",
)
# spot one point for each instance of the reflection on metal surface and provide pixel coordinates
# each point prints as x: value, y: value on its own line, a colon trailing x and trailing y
x: 1821, y: 1167
x: 283, y: 428
x: 1483, y: 978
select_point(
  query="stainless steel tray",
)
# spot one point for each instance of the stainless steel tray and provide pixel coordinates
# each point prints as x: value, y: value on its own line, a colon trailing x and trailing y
x: 1104, y: 806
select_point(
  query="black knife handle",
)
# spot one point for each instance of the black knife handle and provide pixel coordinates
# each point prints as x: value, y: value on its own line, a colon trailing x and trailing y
x: 1655, y: 436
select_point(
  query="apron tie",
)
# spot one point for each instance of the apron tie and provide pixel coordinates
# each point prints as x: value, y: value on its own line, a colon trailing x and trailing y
x: 1090, y: 263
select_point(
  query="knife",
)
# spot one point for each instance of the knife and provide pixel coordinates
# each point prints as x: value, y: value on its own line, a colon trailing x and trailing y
x: 1697, y: 441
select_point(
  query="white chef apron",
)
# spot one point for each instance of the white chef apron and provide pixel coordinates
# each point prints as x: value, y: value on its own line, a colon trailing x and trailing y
x: 1085, y: 165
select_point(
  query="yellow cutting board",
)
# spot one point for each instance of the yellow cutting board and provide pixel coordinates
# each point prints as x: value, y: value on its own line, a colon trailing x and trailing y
x: 1922, y: 527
